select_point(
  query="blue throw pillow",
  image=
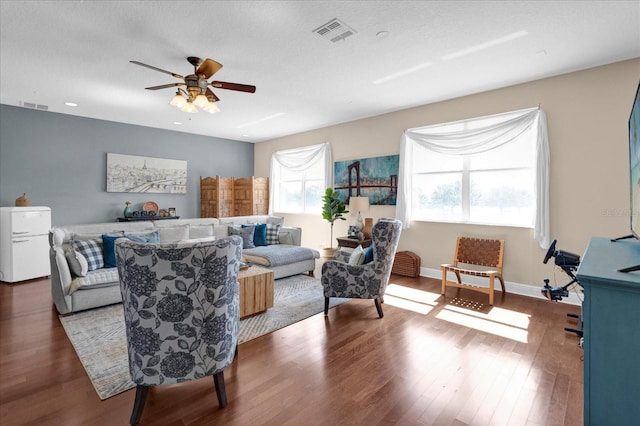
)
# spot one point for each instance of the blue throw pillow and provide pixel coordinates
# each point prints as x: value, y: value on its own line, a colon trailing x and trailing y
x: 259, y: 234
x: 368, y: 255
x: 151, y: 237
x: 109, y: 250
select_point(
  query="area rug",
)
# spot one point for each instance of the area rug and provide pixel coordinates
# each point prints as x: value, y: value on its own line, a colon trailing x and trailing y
x: 99, y: 339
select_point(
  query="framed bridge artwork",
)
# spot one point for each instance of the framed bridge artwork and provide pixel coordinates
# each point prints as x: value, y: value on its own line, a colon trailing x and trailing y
x: 132, y: 173
x: 375, y: 177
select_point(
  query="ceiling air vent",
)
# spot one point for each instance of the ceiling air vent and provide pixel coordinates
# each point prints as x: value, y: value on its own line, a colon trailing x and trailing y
x: 35, y: 106
x: 335, y: 30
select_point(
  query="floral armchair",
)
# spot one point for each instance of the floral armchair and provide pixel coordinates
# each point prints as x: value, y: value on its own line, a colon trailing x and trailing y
x: 181, y: 310
x: 367, y: 281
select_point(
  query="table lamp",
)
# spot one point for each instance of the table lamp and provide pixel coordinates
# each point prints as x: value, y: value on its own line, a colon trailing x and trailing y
x: 359, y: 204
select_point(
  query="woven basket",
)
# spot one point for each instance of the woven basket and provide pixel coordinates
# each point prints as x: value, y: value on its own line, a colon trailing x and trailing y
x: 406, y: 263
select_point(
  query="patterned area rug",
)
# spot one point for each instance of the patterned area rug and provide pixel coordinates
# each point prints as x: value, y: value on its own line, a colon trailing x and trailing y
x: 99, y: 339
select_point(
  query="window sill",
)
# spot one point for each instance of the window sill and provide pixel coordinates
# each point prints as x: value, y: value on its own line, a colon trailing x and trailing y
x: 456, y: 222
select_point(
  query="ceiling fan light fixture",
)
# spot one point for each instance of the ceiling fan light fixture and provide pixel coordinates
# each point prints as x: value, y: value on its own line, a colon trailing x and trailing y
x: 189, y: 107
x: 197, y: 93
x: 178, y: 100
x: 201, y: 101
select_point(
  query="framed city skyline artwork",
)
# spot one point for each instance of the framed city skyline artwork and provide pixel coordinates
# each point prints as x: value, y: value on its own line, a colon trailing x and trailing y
x: 133, y: 173
x: 375, y: 177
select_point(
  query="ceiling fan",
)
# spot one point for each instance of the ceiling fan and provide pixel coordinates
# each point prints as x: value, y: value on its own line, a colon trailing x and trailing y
x: 197, y: 85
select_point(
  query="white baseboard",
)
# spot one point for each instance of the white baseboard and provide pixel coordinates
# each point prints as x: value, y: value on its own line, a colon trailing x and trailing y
x: 511, y: 287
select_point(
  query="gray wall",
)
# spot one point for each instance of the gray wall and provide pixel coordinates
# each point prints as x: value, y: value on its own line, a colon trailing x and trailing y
x: 59, y: 161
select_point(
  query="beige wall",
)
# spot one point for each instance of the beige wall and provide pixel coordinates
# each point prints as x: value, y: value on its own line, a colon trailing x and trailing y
x: 587, y: 115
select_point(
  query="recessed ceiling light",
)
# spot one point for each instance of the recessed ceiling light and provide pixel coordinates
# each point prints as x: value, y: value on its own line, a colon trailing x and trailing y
x: 177, y: 123
x: 382, y: 34
x: 71, y: 104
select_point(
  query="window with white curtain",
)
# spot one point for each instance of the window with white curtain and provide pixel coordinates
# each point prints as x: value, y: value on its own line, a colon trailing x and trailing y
x: 492, y: 187
x: 486, y: 170
x: 299, y: 178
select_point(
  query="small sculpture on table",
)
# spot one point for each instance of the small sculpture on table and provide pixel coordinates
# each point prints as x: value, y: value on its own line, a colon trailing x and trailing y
x: 127, y: 209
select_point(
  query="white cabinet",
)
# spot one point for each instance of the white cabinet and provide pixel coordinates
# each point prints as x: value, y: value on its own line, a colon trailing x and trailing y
x: 24, y: 243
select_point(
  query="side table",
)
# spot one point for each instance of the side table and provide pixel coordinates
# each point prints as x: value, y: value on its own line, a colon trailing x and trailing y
x: 256, y: 290
x: 353, y: 242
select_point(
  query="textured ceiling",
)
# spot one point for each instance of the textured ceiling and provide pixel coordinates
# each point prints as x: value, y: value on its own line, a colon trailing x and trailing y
x: 79, y: 51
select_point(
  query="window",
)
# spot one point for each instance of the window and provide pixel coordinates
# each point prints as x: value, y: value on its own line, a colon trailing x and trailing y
x: 492, y: 187
x: 488, y: 170
x: 299, y: 178
x: 301, y: 191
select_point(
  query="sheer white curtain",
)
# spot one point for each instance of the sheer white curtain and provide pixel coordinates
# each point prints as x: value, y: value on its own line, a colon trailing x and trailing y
x: 298, y: 160
x: 474, y: 141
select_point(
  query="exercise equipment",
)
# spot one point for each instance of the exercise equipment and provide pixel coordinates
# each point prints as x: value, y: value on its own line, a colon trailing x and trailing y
x: 569, y: 263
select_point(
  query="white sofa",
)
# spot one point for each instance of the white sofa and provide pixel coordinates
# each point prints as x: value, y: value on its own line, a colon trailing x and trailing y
x: 72, y: 293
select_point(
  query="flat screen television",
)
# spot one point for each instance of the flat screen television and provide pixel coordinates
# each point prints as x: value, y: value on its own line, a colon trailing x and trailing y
x: 634, y: 173
x: 634, y: 164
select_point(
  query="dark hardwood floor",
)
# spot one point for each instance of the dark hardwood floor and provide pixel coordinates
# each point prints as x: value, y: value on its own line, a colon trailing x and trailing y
x: 429, y: 361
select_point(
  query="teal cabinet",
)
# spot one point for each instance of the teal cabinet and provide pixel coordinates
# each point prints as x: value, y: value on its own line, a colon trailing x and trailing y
x: 611, y: 315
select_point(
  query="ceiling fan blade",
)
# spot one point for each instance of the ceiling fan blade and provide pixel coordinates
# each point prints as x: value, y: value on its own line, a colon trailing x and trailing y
x: 157, y: 69
x: 208, y: 68
x: 233, y: 86
x: 211, y: 96
x: 164, y: 86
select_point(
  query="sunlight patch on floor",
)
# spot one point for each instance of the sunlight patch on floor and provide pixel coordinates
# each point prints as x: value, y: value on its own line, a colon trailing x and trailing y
x: 411, y: 299
x: 498, y: 321
x: 406, y: 304
x: 498, y: 315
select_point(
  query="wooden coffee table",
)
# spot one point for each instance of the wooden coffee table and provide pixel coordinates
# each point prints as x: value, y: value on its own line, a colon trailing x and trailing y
x: 256, y: 290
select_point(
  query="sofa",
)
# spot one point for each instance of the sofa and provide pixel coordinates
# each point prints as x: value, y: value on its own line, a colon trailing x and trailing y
x: 84, y: 276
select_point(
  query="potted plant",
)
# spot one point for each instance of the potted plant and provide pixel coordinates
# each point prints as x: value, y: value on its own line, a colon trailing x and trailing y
x: 332, y: 209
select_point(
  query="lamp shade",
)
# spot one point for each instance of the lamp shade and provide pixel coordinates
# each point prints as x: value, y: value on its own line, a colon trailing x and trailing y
x: 358, y: 204
x: 189, y: 107
x: 211, y: 108
x: 178, y: 101
x: 200, y: 101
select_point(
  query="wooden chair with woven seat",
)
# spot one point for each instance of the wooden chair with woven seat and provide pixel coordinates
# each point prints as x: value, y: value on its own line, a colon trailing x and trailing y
x: 485, y: 253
